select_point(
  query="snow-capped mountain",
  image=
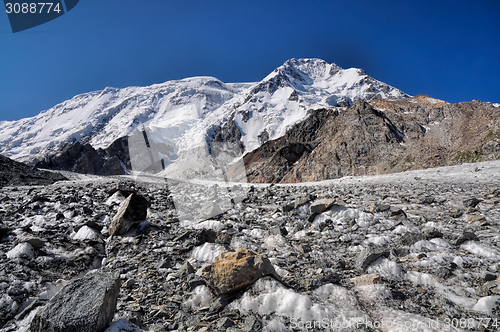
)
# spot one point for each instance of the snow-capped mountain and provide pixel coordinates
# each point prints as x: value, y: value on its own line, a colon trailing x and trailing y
x: 184, y: 115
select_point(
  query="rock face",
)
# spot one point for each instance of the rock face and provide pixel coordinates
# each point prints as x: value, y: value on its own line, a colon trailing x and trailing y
x: 83, y: 158
x: 236, y: 269
x: 226, y: 140
x: 133, y: 210
x: 379, y: 137
x: 87, y: 304
x: 13, y: 173
x: 274, y: 159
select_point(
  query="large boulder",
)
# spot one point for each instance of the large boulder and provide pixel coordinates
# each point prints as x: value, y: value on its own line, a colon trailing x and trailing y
x: 87, y: 304
x: 132, y: 211
x: 234, y: 270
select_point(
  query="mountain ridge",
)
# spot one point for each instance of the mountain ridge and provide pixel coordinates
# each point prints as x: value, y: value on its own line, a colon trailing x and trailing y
x: 181, y: 115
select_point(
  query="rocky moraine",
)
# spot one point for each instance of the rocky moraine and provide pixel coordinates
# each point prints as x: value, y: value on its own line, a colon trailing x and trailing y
x: 412, y: 251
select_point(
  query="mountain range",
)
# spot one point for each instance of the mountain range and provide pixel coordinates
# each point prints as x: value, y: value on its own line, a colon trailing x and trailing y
x: 307, y: 120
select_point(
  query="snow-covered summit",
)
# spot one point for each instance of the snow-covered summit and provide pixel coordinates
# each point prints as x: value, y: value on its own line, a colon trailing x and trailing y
x: 183, y: 113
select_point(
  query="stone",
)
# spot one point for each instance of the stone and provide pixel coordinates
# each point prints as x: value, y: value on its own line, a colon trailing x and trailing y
x: 471, y: 202
x: 164, y: 263
x: 399, y: 213
x: 129, y: 283
x: 252, y: 323
x: 36, y: 242
x: 466, y: 236
x: 368, y: 256
x: 366, y: 279
x: 132, y: 211
x: 321, y: 205
x: 379, y: 207
x: 490, y: 277
x: 443, y: 272
x: 223, y: 238
x: 224, y: 323
x: 185, y: 270
x: 4, y: 230
x: 206, y: 235
x: 236, y: 269
x: 475, y: 218
x: 86, y: 304
x: 193, y: 281
x: 400, y: 252
x: 305, y: 248
x: 409, y: 238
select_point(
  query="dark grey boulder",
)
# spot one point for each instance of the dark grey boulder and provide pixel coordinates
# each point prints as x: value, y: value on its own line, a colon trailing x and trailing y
x: 471, y: 202
x: 86, y: 305
x: 466, y: 236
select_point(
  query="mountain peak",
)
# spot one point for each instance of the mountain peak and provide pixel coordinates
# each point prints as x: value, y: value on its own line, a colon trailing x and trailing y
x: 181, y: 114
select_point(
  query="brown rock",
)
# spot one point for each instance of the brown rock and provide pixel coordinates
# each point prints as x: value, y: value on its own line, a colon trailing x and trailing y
x: 236, y: 269
x: 366, y: 279
x: 475, y: 218
x: 322, y: 205
x: 132, y: 211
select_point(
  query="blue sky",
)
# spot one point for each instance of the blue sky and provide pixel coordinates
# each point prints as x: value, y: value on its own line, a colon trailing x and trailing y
x: 446, y: 49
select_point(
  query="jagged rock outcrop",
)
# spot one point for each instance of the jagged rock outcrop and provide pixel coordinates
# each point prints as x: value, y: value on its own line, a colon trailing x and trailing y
x: 383, y: 137
x: 83, y: 158
x: 13, y: 173
x: 275, y: 158
x: 225, y: 143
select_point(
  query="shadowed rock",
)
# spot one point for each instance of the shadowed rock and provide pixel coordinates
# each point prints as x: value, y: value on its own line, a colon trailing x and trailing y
x: 13, y: 173
x: 87, y: 304
x: 368, y: 256
x: 132, y: 211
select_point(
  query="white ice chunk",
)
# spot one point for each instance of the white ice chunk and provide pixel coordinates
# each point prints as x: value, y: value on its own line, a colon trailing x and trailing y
x: 207, y: 252
x: 201, y: 297
x: 487, y: 304
x: 277, y: 242
x: 215, y: 225
x: 386, y: 268
x: 377, y: 240
x: 86, y: 233
x: 330, y: 302
x: 481, y: 250
x: 22, y: 250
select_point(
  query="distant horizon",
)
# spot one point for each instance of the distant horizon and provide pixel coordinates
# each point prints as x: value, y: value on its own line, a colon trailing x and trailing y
x: 447, y: 50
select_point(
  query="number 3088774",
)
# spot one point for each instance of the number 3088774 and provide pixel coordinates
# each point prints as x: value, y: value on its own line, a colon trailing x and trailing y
x: 32, y: 8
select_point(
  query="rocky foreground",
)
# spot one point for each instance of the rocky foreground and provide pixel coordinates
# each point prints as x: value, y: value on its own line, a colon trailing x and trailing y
x: 413, y: 251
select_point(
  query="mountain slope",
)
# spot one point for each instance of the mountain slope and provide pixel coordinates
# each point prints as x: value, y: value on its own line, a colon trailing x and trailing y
x: 13, y: 173
x: 186, y: 115
x: 381, y: 137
